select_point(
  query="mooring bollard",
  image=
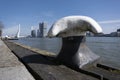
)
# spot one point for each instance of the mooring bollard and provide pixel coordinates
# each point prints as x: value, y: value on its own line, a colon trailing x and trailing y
x: 73, y: 29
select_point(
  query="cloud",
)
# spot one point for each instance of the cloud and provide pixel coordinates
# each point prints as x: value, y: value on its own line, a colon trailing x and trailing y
x: 109, y: 22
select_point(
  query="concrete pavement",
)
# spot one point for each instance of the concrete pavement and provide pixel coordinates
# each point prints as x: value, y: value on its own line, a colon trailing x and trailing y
x: 10, y: 67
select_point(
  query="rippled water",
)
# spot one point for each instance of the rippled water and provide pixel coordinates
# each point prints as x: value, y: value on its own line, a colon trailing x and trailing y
x: 107, y: 47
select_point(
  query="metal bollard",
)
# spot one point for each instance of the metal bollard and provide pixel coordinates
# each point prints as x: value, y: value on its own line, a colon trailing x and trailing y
x: 72, y: 30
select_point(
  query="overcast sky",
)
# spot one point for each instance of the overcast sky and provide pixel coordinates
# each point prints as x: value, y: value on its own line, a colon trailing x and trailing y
x: 29, y: 13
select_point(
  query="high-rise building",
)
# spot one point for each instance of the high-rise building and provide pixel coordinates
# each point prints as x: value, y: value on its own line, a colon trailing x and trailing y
x: 118, y: 30
x: 43, y: 29
x: 38, y: 33
x: 33, y: 32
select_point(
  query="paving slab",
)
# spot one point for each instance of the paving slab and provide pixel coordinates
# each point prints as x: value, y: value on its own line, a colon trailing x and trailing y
x: 10, y: 66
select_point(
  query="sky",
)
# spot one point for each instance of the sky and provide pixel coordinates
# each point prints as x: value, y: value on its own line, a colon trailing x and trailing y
x: 29, y: 13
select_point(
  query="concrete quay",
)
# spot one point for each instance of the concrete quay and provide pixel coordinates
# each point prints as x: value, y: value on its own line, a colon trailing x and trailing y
x: 42, y: 66
x: 10, y: 67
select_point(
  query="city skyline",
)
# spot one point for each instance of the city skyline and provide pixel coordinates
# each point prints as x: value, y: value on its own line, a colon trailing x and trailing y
x: 39, y: 32
x: 30, y: 13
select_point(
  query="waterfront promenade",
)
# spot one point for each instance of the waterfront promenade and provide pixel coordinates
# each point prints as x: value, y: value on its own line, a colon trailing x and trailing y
x: 10, y: 67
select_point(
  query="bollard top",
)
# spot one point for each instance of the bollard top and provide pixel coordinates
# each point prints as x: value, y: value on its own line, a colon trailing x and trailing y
x: 74, y: 26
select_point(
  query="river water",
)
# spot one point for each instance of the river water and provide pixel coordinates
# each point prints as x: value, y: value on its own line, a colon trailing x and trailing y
x: 106, y: 47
